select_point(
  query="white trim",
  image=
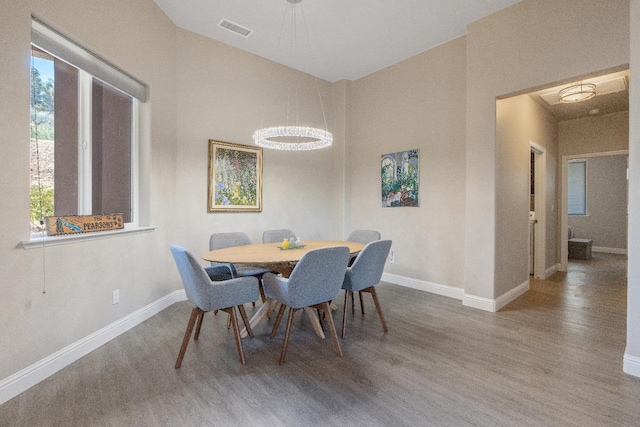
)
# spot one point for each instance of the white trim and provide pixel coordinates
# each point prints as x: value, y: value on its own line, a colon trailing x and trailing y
x: 551, y: 271
x: 422, y: 285
x: 480, y: 303
x: 468, y: 300
x: 15, y: 384
x: 492, y: 306
x: 39, y: 242
x: 511, y: 295
x: 540, y: 227
x: 618, y: 251
x: 631, y: 365
x: 135, y: 161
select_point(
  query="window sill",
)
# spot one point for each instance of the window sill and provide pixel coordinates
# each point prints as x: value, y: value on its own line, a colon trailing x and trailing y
x: 38, y: 242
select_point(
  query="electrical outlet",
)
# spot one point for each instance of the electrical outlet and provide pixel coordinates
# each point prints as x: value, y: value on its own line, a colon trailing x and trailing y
x: 116, y: 296
x: 391, y: 258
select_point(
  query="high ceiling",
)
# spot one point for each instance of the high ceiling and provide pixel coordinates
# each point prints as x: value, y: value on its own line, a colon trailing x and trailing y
x: 335, y: 39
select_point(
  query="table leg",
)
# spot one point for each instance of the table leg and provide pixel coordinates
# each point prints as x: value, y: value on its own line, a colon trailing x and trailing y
x: 314, y: 321
x: 262, y: 312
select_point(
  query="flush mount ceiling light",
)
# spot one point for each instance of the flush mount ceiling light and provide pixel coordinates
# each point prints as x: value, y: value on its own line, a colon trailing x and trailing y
x: 577, y: 92
x: 294, y: 137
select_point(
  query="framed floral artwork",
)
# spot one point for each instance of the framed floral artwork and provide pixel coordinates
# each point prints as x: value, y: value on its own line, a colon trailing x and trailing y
x: 235, y: 177
x: 400, y: 178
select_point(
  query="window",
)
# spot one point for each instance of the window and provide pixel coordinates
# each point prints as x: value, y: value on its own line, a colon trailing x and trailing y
x: 83, y: 131
x: 577, y: 187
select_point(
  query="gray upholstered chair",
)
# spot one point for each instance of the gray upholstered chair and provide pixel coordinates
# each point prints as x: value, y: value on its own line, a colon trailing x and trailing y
x: 364, y: 274
x: 207, y: 295
x: 275, y: 236
x: 224, y: 271
x: 314, y: 282
x: 363, y: 236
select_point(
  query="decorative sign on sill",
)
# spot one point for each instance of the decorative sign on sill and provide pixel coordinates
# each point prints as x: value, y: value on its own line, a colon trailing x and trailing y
x: 72, y: 224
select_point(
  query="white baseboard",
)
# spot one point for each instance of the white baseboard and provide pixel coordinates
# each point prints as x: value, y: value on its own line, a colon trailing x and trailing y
x: 468, y: 300
x: 551, y: 271
x: 481, y: 303
x: 631, y: 365
x: 15, y: 384
x: 422, y: 285
x: 617, y: 251
x: 493, y: 305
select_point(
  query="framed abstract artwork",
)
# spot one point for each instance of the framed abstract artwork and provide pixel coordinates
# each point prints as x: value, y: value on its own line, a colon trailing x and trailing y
x: 235, y: 177
x: 400, y: 176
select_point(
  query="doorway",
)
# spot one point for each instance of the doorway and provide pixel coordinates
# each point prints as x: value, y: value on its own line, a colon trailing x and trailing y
x: 537, y: 211
x: 605, y: 214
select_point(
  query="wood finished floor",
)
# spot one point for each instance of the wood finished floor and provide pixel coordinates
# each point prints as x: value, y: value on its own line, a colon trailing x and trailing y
x: 551, y: 358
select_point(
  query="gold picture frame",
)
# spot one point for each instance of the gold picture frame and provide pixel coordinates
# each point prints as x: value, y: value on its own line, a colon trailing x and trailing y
x: 235, y: 177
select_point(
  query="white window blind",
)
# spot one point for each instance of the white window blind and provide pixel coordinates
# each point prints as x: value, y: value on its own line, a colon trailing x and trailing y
x: 577, y: 187
x: 58, y: 45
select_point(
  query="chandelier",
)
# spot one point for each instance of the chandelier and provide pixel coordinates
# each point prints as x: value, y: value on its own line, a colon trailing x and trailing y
x: 294, y: 137
x: 577, y: 92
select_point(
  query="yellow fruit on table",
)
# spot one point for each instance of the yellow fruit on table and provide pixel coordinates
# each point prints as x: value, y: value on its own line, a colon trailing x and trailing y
x: 285, y: 243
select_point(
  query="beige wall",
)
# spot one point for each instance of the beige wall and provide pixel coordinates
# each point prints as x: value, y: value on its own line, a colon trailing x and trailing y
x: 418, y: 103
x: 79, y: 278
x: 521, y: 121
x: 226, y: 94
x: 528, y: 45
x: 609, y: 132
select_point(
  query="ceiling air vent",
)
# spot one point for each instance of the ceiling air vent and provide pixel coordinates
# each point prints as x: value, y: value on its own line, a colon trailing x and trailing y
x: 235, y: 28
x: 602, y: 88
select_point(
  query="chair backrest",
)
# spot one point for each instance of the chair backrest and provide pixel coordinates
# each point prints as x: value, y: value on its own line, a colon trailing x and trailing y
x: 194, y: 278
x: 227, y: 240
x: 318, y: 276
x: 367, y: 269
x: 206, y: 294
x: 274, y: 236
x: 363, y: 236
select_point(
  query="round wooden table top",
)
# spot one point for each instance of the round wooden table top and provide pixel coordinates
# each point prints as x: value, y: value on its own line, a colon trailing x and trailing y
x: 268, y: 253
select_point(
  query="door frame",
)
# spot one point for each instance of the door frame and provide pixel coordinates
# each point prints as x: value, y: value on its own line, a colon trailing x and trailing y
x: 564, y: 214
x: 540, y: 201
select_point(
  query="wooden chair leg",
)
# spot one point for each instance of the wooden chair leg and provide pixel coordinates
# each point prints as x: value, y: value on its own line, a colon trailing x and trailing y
x: 287, y: 333
x: 198, y: 326
x: 332, y: 327
x: 361, y: 303
x: 320, y: 314
x: 187, y: 335
x: 263, y: 297
x: 372, y: 291
x: 236, y: 332
x: 277, y: 322
x: 344, y: 312
x: 245, y: 319
x: 353, y: 306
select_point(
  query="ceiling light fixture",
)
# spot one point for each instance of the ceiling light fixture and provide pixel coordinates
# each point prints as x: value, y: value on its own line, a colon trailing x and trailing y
x: 577, y: 92
x: 294, y: 137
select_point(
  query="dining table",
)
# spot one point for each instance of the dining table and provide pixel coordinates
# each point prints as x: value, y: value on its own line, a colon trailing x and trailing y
x: 280, y: 258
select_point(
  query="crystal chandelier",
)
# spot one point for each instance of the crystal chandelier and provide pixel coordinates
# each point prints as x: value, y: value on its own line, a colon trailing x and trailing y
x: 294, y: 137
